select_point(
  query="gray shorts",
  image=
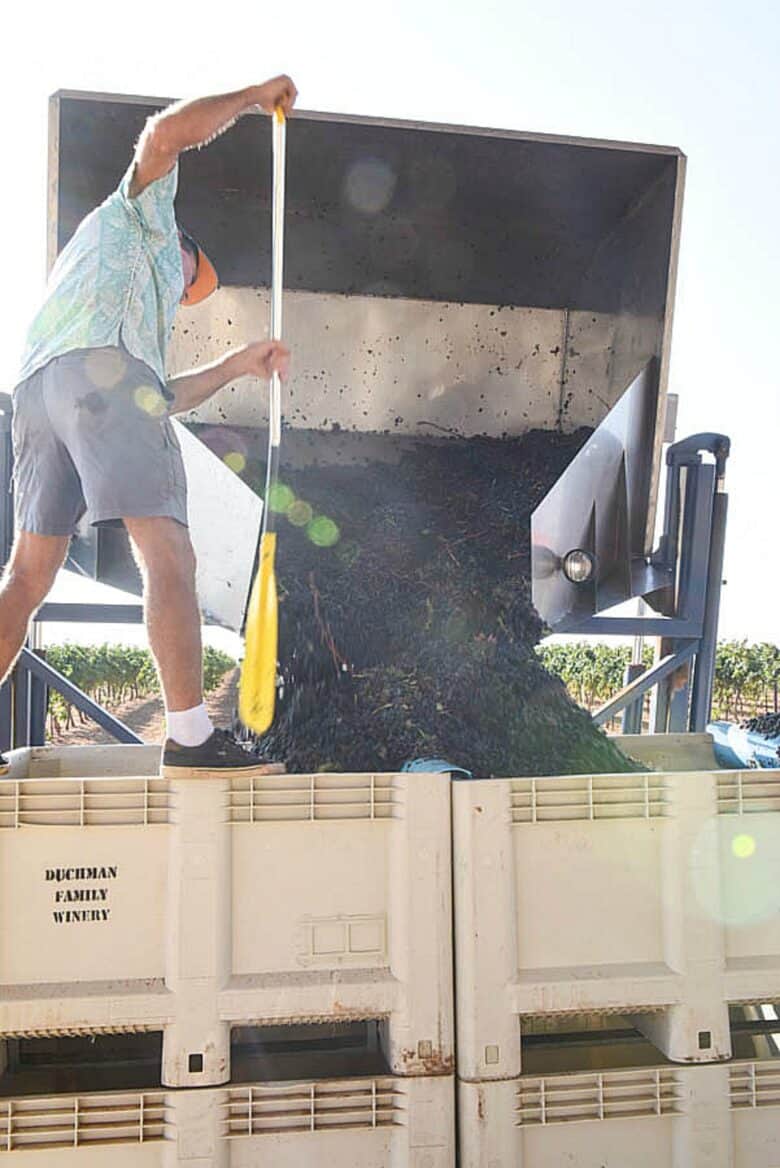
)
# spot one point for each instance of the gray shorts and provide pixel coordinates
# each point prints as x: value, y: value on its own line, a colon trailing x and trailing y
x: 92, y: 434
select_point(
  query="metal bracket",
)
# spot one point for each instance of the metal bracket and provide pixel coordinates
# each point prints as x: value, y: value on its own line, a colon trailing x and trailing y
x: 638, y: 688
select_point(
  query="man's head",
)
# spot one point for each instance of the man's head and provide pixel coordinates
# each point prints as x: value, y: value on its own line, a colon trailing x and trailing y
x: 200, y: 278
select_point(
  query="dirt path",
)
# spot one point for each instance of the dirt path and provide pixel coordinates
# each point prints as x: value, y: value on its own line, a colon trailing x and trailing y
x: 146, y: 716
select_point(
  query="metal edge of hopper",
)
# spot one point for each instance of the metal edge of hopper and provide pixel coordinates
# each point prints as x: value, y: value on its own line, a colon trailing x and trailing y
x: 600, y: 504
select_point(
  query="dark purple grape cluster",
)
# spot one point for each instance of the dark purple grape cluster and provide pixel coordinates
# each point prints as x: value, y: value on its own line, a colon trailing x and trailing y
x: 768, y: 725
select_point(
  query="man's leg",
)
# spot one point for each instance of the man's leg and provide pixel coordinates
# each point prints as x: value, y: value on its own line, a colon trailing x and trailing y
x: 167, y: 563
x: 28, y: 577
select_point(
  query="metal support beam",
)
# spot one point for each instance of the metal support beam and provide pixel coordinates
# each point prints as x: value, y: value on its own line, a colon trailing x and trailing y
x: 680, y: 704
x: 100, y: 614
x: 632, y: 714
x: 704, y: 674
x: 21, y: 692
x: 108, y: 614
x: 5, y: 716
x: 632, y: 626
x: 52, y: 677
x: 691, y: 552
x: 638, y: 688
x: 39, y: 704
x: 659, y: 699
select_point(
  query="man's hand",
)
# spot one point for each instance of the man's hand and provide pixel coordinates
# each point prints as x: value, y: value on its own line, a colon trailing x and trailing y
x: 194, y: 123
x: 262, y: 359
x: 258, y: 359
x: 279, y: 91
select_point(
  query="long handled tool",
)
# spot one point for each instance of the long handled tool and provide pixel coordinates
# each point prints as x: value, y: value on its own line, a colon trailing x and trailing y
x: 257, y: 691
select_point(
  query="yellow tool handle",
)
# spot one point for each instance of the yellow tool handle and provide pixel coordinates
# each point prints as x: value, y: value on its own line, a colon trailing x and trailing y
x: 257, y: 693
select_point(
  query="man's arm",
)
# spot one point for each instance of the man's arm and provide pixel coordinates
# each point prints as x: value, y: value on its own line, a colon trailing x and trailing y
x: 259, y: 359
x: 194, y: 123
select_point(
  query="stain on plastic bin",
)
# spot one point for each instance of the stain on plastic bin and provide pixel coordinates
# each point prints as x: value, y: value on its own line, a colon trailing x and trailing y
x: 434, y: 1063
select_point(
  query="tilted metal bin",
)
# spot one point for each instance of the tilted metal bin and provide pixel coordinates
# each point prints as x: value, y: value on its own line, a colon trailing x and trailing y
x: 439, y: 279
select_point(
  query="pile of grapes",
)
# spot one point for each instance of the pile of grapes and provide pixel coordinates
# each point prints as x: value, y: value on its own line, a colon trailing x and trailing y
x: 766, y: 724
x: 406, y: 626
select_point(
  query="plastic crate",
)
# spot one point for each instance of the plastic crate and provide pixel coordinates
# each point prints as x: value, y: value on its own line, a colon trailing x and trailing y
x: 716, y: 1116
x: 655, y: 895
x: 353, y: 1123
x: 205, y: 904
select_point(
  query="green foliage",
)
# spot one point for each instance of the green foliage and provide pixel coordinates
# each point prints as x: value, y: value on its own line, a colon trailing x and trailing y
x: 747, y: 677
x: 112, y: 674
x: 592, y: 673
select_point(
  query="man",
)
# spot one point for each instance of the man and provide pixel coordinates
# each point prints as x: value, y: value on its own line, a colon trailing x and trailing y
x: 91, y: 428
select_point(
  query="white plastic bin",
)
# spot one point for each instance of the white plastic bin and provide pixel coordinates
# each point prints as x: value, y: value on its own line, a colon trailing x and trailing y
x: 716, y: 1116
x: 655, y: 895
x: 353, y: 1123
x: 192, y: 906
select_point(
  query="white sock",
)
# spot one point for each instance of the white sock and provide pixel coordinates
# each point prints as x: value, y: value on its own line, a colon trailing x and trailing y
x: 189, y: 727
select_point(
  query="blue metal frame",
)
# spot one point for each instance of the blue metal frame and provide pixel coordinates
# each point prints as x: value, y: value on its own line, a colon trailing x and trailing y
x: 113, y: 614
x: 32, y: 669
x: 638, y: 686
x: 690, y: 555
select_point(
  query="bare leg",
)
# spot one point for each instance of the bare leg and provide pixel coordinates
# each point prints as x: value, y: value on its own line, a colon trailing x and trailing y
x: 167, y: 561
x: 34, y: 563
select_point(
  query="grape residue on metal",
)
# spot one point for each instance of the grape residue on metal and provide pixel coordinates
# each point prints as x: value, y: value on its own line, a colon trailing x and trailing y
x: 406, y: 626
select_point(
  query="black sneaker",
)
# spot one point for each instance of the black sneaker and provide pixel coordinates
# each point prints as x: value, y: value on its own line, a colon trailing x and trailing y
x: 218, y: 755
x: 3, y: 765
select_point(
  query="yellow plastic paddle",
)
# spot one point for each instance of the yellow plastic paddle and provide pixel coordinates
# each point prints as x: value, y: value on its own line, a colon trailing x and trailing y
x: 257, y: 689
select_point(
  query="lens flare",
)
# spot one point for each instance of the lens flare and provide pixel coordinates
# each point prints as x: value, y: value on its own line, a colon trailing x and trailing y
x: 369, y: 185
x: 300, y: 513
x: 743, y: 846
x: 323, y: 532
x: 235, y: 460
x: 280, y: 498
x: 150, y: 400
x: 105, y: 368
x: 734, y: 874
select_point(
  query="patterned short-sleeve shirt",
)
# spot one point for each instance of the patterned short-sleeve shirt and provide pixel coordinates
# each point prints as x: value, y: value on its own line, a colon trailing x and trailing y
x: 118, y: 280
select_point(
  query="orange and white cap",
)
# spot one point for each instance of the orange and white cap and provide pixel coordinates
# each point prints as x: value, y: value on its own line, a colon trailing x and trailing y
x: 206, y: 279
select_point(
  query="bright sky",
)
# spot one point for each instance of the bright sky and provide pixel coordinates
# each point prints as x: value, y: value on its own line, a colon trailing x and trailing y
x: 701, y: 76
